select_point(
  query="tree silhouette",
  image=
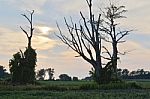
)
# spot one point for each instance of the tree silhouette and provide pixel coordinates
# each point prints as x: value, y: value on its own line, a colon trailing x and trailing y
x: 3, y: 73
x: 22, y: 65
x: 30, y: 20
x: 110, y: 27
x: 86, y: 38
x: 125, y: 72
x: 64, y: 77
x: 50, y: 73
x: 41, y: 74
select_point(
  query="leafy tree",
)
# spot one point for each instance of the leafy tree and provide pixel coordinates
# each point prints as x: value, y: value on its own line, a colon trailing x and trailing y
x: 50, y: 73
x: 2, y: 71
x: 41, y: 74
x: 132, y: 73
x: 15, y: 68
x: 64, y: 77
x: 140, y: 72
x: 125, y: 72
x: 75, y: 79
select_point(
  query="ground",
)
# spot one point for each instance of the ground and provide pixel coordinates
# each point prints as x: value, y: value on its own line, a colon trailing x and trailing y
x: 75, y: 90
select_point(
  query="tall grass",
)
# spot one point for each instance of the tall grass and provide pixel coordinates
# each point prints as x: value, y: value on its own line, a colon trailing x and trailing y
x: 74, y: 90
x: 113, y: 94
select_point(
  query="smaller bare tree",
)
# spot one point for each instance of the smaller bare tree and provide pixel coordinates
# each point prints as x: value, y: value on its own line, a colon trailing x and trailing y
x: 110, y: 27
x: 30, y: 34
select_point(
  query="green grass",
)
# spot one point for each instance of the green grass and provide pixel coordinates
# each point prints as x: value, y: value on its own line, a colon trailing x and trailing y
x: 77, y: 90
x: 144, y: 83
x: 103, y: 94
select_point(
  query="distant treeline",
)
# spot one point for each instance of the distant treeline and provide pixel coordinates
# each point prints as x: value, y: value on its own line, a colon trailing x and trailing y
x: 138, y: 74
x: 40, y: 74
x: 126, y: 74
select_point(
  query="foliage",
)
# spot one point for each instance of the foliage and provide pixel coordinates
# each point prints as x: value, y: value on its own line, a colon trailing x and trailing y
x: 75, y: 79
x: 42, y: 73
x: 22, y: 66
x: 64, y: 77
x: 138, y: 74
x: 3, y: 73
x: 50, y: 73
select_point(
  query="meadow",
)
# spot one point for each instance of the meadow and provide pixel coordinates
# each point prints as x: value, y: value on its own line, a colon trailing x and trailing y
x: 133, y: 89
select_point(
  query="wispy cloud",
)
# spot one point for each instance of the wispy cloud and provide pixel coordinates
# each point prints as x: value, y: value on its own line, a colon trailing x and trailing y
x: 43, y: 43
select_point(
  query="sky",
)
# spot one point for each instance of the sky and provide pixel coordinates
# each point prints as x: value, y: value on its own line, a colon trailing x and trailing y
x: 52, y: 53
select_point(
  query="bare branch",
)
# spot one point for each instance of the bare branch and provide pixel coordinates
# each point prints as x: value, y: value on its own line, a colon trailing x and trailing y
x: 123, y: 34
x: 107, y: 51
x: 24, y: 31
x: 126, y: 52
x: 85, y: 24
x: 106, y: 58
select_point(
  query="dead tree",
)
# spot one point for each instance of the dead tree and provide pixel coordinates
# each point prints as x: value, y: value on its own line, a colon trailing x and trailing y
x: 110, y: 27
x: 29, y: 58
x: 30, y: 34
x: 85, y: 38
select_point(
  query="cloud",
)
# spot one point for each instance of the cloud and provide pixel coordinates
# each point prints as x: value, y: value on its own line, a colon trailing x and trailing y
x: 43, y: 43
x: 19, y: 40
x: 52, y: 53
x: 68, y: 54
x: 44, y: 30
x: 137, y: 57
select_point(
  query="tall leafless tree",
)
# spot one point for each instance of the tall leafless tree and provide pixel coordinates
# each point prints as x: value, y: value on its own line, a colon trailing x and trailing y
x: 110, y: 27
x: 30, y: 34
x: 86, y: 38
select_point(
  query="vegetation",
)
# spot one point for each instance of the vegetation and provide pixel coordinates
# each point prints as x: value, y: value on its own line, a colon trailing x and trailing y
x: 3, y: 73
x: 138, y: 74
x: 130, y: 94
x: 64, y: 77
x: 23, y: 64
x: 76, y: 90
x: 87, y: 40
x: 42, y: 73
x: 124, y: 74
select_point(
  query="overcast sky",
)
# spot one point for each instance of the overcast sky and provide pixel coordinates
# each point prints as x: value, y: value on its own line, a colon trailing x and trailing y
x: 51, y: 52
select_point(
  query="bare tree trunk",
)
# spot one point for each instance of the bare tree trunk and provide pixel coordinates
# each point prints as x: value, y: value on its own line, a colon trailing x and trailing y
x: 98, y: 73
x: 29, y: 42
x: 30, y: 34
x: 115, y: 58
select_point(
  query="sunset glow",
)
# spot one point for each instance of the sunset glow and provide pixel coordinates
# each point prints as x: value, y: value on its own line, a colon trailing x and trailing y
x: 51, y: 51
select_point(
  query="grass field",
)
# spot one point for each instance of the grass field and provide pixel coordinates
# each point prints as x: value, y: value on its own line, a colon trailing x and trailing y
x: 142, y: 83
x: 76, y: 90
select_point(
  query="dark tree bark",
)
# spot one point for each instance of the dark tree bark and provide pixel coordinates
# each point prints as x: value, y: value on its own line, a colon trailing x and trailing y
x: 29, y: 35
x: 111, y: 15
x: 86, y: 38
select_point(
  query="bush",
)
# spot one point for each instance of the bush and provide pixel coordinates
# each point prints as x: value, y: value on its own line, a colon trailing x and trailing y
x: 75, y: 79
